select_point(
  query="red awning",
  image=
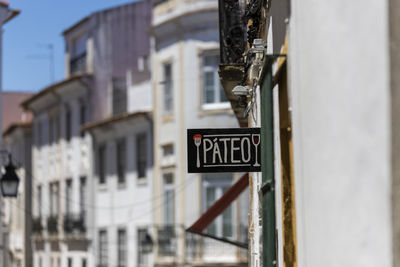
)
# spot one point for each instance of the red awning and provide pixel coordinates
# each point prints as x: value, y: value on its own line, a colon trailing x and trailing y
x: 217, y: 208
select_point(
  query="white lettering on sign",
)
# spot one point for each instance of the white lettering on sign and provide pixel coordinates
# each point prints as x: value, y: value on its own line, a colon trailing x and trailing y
x: 226, y: 151
x: 243, y: 149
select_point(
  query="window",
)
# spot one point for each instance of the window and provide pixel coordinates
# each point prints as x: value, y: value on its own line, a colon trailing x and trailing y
x: 78, y: 54
x: 168, y: 89
x: 83, y: 263
x: 53, y: 199
x: 82, y: 195
x: 119, y: 96
x: 169, y: 199
x: 68, y: 194
x: 168, y: 150
x: 142, y: 256
x: 67, y: 123
x: 214, y: 186
x: 122, y: 249
x: 213, y: 93
x: 103, y: 253
x: 82, y: 115
x: 79, y: 46
x: 121, y: 160
x: 39, y: 200
x: 102, y: 162
x: 69, y: 262
x: 141, y: 155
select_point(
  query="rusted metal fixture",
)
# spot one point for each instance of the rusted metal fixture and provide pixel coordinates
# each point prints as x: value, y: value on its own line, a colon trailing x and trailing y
x: 230, y: 76
x: 231, y: 31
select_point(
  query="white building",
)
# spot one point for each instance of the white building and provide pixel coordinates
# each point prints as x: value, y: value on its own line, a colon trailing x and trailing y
x: 68, y: 220
x: 61, y: 167
x: 187, y: 94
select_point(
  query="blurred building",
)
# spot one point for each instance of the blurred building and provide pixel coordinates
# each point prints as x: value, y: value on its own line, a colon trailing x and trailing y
x: 100, y: 50
x: 17, y: 140
x: 188, y: 94
x: 6, y: 14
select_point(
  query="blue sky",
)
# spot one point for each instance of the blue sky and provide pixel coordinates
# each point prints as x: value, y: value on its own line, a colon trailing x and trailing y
x: 26, y: 64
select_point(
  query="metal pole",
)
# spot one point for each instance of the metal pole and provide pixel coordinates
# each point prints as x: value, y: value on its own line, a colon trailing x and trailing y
x: 267, y: 169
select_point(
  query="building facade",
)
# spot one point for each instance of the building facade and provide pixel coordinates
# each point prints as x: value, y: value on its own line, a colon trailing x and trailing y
x: 60, y: 170
x: 188, y: 94
x: 100, y: 50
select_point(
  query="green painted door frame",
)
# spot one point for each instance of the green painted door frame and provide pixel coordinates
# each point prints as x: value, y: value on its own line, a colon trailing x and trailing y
x: 267, y: 167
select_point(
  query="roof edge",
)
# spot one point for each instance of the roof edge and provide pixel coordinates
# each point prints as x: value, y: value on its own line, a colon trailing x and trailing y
x: 114, y: 119
x: 25, y: 104
x: 16, y: 125
x: 14, y: 13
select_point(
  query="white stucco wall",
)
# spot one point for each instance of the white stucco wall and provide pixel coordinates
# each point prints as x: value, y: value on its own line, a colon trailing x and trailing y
x: 126, y: 206
x: 140, y: 97
x: 338, y: 72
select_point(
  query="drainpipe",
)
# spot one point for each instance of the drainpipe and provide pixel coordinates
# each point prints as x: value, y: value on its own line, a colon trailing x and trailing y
x: 262, y: 193
x: 267, y: 193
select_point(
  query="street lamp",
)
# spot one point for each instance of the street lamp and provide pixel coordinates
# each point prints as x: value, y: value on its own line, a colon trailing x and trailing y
x: 9, y: 181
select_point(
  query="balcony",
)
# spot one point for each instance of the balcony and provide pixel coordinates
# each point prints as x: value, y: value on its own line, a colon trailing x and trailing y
x: 52, y: 224
x: 74, y: 223
x: 37, y: 226
x: 167, y: 241
x: 198, y: 249
x: 77, y: 64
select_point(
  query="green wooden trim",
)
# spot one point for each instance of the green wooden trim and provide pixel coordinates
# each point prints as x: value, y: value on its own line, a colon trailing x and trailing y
x: 267, y: 168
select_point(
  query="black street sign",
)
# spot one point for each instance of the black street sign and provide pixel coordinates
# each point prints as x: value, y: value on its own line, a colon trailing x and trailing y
x: 224, y: 150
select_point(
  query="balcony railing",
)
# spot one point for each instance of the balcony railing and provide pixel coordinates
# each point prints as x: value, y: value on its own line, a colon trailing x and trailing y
x: 167, y: 241
x: 52, y: 224
x: 74, y: 223
x: 37, y: 226
x: 78, y: 64
x: 198, y: 248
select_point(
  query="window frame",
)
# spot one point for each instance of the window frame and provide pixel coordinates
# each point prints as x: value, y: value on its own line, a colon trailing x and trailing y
x: 101, y: 161
x: 168, y: 86
x: 217, y: 90
x: 142, y: 259
x: 220, y: 184
x: 102, y: 248
x: 68, y: 123
x: 168, y: 219
x: 82, y: 115
x: 122, y: 248
x: 68, y: 196
x: 141, y: 156
x: 121, y: 160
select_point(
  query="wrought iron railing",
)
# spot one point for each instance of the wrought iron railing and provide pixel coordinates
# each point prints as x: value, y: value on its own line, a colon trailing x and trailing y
x: 74, y: 223
x: 78, y: 64
x: 166, y: 240
x: 200, y: 249
x: 37, y: 226
x: 52, y: 224
x: 206, y: 249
